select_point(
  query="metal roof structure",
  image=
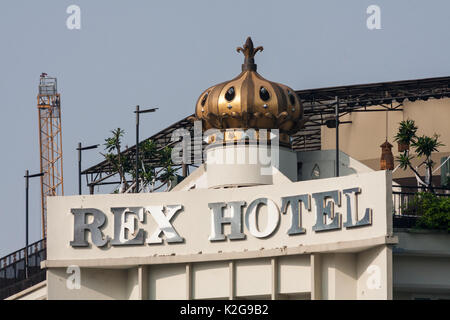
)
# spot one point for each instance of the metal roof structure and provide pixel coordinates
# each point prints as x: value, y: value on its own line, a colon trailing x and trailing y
x: 319, y: 108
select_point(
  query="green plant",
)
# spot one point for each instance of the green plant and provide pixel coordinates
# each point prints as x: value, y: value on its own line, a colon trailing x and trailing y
x: 433, y: 211
x: 406, y: 132
x: 119, y: 162
x: 150, y: 174
x: 424, y: 147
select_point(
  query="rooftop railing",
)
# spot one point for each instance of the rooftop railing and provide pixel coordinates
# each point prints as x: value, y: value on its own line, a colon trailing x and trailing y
x: 405, y: 213
x: 14, y: 269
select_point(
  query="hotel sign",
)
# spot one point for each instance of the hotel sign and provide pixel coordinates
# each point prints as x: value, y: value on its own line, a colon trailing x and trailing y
x: 125, y: 219
x: 287, y: 214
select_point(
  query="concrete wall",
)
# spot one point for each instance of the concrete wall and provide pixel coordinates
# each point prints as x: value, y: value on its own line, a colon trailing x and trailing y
x: 321, y: 164
x: 95, y: 283
x: 362, y: 138
x: 341, y: 276
x: 374, y: 274
x: 422, y: 274
x: 421, y: 265
x: 167, y: 282
x: 296, y: 273
x: 211, y: 280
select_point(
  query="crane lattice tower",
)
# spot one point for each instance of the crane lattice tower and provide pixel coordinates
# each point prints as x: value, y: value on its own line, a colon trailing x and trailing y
x: 50, y: 143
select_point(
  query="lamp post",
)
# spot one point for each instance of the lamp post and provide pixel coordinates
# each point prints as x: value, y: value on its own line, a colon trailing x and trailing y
x: 27, y: 176
x: 138, y: 112
x: 337, y: 136
x: 80, y: 148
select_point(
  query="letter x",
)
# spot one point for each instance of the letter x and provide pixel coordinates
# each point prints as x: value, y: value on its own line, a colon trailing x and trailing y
x: 164, y: 225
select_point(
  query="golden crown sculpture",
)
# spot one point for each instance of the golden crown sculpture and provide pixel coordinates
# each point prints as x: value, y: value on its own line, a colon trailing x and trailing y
x: 250, y: 101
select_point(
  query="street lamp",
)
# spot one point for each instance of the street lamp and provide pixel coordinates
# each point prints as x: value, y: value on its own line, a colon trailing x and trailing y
x: 95, y: 146
x: 138, y: 112
x: 337, y: 135
x: 27, y: 176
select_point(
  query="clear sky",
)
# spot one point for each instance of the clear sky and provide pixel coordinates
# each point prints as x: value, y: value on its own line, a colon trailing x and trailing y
x: 165, y: 53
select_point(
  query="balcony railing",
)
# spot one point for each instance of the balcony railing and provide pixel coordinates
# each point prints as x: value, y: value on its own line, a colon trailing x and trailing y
x: 405, y: 214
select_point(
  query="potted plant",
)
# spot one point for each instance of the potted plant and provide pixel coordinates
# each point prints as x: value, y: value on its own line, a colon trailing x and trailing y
x: 405, y: 135
x: 424, y: 147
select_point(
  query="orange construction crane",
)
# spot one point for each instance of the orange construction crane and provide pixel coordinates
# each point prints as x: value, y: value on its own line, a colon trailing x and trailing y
x: 50, y: 143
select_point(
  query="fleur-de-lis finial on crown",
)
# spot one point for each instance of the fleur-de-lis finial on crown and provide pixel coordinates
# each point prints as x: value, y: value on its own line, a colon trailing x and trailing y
x: 249, y: 52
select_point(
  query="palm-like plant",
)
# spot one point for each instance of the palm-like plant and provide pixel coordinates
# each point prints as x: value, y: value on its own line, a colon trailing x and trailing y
x: 149, y: 174
x: 117, y: 160
x: 406, y: 134
x: 424, y: 147
x: 404, y: 160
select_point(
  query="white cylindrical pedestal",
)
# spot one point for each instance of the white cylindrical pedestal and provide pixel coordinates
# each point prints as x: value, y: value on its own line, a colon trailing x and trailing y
x: 248, y: 165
